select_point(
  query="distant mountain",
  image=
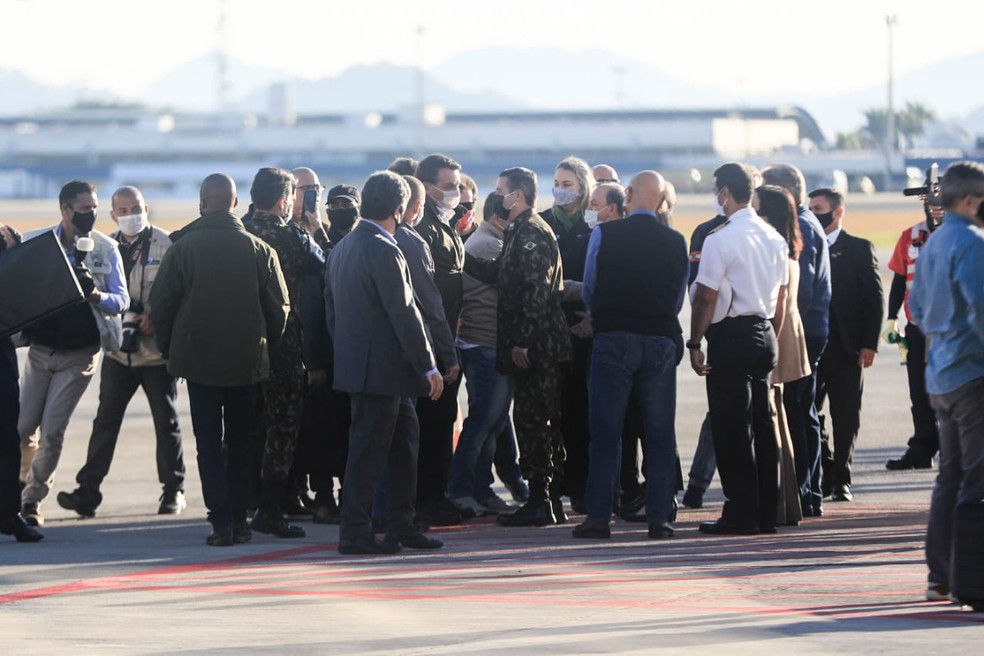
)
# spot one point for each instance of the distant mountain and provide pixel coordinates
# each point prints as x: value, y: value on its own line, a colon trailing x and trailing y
x: 194, y: 85
x: 21, y: 95
x: 380, y: 87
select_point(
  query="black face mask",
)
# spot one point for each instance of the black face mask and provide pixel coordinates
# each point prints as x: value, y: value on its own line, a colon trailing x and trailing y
x: 84, y: 221
x: 825, y: 219
x: 470, y: 205
x: 497, y: 208
x: 343, y: 219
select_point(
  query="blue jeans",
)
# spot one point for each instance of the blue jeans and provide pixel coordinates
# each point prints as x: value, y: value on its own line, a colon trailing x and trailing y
x: 804, y: 425
x: 621, y: 362
x: 489, y: 396
x: 223, y: 417
x: 705, y: 463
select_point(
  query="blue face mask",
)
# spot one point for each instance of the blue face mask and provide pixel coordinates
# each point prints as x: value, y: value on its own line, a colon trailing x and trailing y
x: 566, y: 195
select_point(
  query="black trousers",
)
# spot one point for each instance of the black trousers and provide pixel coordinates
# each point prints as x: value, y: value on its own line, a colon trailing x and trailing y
x: 384, y: 437
x: 436, y: 419
x: 117, y: 386
x: 574, y: 418
x: 925, y: 440
x: 10, y: 493
x: 840, y: 381
x: 742, y: 352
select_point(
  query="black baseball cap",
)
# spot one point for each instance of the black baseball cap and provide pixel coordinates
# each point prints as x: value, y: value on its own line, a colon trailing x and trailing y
x: 345, y: 191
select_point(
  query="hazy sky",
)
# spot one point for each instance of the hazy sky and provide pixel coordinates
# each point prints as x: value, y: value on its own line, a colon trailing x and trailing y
x: 763, y: 45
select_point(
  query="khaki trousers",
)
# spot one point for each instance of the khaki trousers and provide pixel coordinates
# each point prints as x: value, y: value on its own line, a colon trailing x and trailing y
x: 53, y: 384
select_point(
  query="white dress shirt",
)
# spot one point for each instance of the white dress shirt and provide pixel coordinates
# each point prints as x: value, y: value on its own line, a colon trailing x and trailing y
x: 750, y: 257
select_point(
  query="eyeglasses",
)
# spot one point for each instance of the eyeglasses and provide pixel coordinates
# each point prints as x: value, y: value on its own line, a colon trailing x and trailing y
x: 312, y: 187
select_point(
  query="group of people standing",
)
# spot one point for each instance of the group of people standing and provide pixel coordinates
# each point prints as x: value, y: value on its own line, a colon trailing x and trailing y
x: 314, y: 352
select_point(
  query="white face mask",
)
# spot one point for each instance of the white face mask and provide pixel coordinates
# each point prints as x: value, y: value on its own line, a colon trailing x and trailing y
x: 450, y: 200
x: 591, y: 218
x: 718, y: 208
x: 133, y: 224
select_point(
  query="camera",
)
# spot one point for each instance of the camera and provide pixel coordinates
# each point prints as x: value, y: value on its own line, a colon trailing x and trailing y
x: 931, y: 189
x: 131, y: 328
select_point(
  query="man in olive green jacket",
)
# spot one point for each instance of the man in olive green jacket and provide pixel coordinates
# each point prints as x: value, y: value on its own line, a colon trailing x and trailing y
x: 218, y: 303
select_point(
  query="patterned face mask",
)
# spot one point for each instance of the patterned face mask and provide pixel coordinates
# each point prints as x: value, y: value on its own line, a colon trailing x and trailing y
x: 566, y: 195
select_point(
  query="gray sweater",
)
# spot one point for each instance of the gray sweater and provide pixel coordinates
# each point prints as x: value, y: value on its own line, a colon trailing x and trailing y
x: 478, y: 309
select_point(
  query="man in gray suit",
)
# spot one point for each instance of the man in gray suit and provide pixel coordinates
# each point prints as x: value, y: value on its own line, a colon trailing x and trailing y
x: 383, y: 360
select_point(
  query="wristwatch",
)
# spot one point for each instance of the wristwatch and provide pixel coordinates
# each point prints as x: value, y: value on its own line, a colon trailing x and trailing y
x: 693, y: 346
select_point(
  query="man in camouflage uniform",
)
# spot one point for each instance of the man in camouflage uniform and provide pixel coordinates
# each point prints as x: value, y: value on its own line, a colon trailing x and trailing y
x: 272, y: 194
x: 533, y: 339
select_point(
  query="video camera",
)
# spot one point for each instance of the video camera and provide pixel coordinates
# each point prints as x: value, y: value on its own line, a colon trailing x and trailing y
x: 931, y: 189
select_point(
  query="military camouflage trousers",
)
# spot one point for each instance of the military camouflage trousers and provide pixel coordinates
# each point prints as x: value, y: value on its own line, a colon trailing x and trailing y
x: 283, y: 399
x: 536, y: 416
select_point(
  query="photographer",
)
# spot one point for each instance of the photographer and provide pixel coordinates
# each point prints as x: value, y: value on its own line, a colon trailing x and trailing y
x: 138, y: 363
x: 65, y: 346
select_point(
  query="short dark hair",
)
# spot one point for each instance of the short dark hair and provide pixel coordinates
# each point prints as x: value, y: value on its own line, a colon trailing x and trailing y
x: 403, y: 166
x: 521, y: 179
x: 469, y: 183
x: 960, y: 180
x: 270, y: 185
x: 416, y: 187
x: 427, y: 169
x: 833, y: 197
x: 614, y: 194
x: 737, y: 177
x: 788, y: 177
x: 383, y: 194
x: 72, y: 189
x: 488, y: 209
x: 777, y: 207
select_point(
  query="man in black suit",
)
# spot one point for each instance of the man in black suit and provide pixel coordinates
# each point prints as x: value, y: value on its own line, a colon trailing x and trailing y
x: 855, y: 321
x: 383, y: 360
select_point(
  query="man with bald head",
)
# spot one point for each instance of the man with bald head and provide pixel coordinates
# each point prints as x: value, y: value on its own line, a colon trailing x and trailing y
x: 218, y: 305
x: 635, y: 279
x: 604, y: 173
x: 138, y: 364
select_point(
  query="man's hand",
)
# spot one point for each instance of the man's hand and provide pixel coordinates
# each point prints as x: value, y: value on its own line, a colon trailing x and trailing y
x: 583, y: 328
x: 572, y: 290
x: 317, y: 377
x: 520, y: 357
x: 437, y: 385
x: 697, y: 362
x: 10, y: 236
x: 144, y: 325
x: 311, y: 222
x: 452, y: 374
x: 94, y: 297
x: 866, y: 358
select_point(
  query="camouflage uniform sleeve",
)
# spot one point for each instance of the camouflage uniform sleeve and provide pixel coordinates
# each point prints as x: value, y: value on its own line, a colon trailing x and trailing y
x: 536, y: 257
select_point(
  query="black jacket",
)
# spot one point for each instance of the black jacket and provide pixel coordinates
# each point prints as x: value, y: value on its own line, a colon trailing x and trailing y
x: 856, y: 300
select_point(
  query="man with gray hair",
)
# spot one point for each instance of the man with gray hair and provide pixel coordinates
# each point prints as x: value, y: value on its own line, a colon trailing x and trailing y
x: 813, y: 297
x: 947, y: 302
x: 383, y: 359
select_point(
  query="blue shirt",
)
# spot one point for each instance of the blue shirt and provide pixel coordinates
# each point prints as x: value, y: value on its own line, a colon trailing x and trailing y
x: 590, y: 282
x: 114, y: 299
x: 947, y: 302
x: 814, y: 287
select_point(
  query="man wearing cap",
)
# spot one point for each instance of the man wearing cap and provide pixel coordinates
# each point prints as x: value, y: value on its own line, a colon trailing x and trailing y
x: 139, y: 365
x: 65, y: 346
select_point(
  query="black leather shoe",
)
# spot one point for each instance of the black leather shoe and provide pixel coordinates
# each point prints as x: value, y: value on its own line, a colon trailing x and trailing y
x: 909, y: 461
x: 172, y: 502
x: 721, y: 527
x: 276, y: 525
x: 414, y: 540
x: 660, y: 531
x: 295, y: 509
x: 560, y: 515
x: 17, y: 527
x: 78, y: 501
x: 368, y: 546
x: 435, y: 514
x: 241, y: 533
x: 532, y: 513
x: 221, y: 536
x: 817, y: 511
x: 592, y: 531
x: 633, y: 503
x: 842, y: 492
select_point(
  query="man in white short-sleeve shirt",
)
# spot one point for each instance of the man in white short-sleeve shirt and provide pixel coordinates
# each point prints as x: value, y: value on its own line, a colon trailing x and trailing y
x: 749, y: 257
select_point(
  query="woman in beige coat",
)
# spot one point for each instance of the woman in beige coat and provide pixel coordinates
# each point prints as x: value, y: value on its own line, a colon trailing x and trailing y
x: 775, y: 205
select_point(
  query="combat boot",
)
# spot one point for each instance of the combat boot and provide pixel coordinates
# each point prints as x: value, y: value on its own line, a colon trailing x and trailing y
x: 537, y: 511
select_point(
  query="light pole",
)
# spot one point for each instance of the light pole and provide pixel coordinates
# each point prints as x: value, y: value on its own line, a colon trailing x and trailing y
x: 890, y: 21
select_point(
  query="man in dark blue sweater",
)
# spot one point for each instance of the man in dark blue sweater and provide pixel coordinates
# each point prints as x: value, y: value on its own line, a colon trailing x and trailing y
x: 634, y: 282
